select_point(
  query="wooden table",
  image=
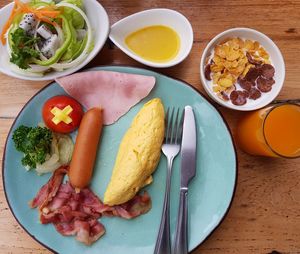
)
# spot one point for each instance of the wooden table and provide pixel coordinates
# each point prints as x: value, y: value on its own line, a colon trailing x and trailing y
x: 265, y: 214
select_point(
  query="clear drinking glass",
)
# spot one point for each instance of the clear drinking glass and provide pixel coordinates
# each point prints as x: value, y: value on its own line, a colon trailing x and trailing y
x: 273, y: 131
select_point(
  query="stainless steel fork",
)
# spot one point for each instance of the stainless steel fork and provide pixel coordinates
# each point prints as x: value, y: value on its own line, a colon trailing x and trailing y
x: 170, y: 148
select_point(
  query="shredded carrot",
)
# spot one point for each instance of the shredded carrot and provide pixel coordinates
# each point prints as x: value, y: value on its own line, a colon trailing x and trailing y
x: 19, y: 4
x: 47, y: 20
x: 45, y: 14
x: 50, y: 14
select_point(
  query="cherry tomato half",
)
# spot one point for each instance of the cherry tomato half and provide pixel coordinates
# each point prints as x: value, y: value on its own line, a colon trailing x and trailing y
x: 61, y: 102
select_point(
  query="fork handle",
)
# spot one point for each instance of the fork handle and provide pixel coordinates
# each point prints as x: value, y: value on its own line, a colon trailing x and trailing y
x: 163, y: 242
x: 181, y: 237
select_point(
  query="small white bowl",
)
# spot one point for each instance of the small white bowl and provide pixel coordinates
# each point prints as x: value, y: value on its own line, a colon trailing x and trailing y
x: 99, y: 22
x: 121, y: 29
x: 275, y: 57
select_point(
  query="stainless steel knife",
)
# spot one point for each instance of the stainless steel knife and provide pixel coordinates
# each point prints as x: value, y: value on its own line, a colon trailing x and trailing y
x: 188, y: 171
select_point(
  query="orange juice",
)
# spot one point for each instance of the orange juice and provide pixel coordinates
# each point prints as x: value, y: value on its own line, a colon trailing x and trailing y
x: 273, y: 131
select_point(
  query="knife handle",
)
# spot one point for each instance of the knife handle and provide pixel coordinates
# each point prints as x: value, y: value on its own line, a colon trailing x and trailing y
x: 181, y: 237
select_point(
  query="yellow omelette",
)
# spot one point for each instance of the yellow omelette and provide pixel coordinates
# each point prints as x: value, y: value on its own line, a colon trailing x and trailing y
x: 138, y: 154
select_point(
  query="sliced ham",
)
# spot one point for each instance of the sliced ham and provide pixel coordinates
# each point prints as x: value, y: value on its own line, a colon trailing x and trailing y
x: 115, y: 92
x: 77, y: 214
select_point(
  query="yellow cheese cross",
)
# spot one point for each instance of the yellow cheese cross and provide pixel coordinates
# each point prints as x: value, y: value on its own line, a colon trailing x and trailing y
x: 61, y: 115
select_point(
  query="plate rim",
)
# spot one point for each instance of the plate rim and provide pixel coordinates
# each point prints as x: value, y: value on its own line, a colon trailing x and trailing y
x: 139, y: 68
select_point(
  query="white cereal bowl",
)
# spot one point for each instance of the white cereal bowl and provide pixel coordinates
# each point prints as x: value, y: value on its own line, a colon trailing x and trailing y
x: 151, y: 17
x: 275, y: 57
x: 99, y: 23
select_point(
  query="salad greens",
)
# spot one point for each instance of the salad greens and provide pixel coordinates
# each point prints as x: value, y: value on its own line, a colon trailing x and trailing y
x: 81, y: 48
x: 22, y: 48
x: 34, y: 142
x: 74, y: 16
x: 59, y: 52
x: 73, y: 47
x: 39, y: 3
x: 43, y: 36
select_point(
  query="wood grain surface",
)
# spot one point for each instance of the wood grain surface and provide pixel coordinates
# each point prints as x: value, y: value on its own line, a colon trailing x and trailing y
x: 265, y: 213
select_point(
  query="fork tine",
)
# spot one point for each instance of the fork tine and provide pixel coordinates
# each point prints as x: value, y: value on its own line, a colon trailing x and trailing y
x: 176, y: 127
x: 173, y: 125
x: 170, y: 127
x: 166, y: 125
x: 180, y: 129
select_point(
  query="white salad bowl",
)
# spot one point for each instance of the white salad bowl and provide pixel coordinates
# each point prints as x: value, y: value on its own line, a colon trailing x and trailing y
x: 99, y: 21
x: 275, y: 57
x: 173, y: 19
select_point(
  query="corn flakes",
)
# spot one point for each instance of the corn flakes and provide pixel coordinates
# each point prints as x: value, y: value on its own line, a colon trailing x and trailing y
x: 232, y: 59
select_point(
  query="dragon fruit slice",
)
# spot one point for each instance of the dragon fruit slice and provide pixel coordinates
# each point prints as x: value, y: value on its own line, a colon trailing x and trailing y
x: 28, y: 23
x: 50, y: 46
x: 44, y: 31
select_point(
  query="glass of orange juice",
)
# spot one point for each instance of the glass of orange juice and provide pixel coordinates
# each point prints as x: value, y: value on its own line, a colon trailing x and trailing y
x: 272, y: 131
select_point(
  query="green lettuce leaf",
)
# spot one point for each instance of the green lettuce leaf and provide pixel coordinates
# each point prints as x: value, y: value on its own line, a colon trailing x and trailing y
x: 38, y: 3
x: 81, y: 48
x: 76, y: 22
x: 73, y: 16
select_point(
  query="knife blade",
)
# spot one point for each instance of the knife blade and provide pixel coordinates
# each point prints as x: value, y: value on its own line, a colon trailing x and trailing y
x: 188, y: 147
x: 188, y: 171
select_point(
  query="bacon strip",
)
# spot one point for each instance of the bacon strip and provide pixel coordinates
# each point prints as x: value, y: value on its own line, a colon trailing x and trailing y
x: 48, y: 191
x: 138, y: 205
x: 86, y: 231
x: 77, y: 214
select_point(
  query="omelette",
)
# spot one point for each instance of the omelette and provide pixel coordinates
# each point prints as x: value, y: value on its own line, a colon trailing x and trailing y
x: 138, y: 154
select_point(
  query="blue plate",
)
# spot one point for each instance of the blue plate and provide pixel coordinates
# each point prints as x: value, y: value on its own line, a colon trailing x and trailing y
x: 210, y: 192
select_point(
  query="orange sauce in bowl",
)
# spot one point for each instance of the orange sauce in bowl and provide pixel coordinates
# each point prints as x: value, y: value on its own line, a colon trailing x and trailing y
x: 156, y: 43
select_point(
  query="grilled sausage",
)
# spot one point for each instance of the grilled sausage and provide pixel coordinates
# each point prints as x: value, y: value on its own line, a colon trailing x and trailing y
x: 85, y: 150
